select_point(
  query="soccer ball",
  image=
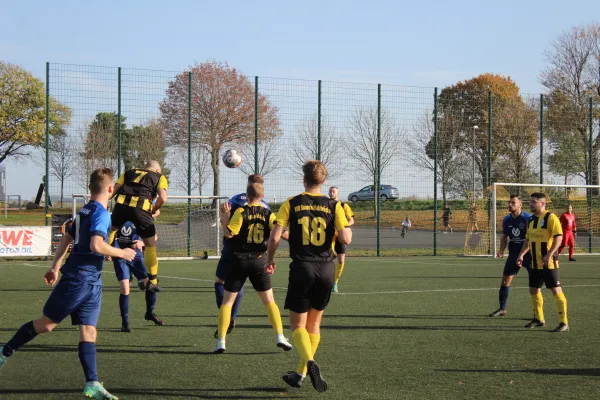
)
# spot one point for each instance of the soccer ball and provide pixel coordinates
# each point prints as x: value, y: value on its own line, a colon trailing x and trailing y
x: 232, y: 159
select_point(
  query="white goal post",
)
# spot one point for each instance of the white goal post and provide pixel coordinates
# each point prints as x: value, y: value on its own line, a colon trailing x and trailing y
x: 590, y: 218
x: 188, y: 226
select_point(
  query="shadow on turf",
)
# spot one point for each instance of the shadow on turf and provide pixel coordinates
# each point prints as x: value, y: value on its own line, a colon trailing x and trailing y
x: 539, y: 371
x: 196, y: 393
x: 142, y: 350
x: 387, y: 316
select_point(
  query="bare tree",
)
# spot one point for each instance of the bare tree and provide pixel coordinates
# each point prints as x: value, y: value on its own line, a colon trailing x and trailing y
x: 269, y: 159
x: 62, y: 160
x: 200, y: 172
x: 99, y: 149
x: 572, y: 79
x: 222, y: 111
x: 421, y: 147
x: 362, y: 145
x: 305, y: 146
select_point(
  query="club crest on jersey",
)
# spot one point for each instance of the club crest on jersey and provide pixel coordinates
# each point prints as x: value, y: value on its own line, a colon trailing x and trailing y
x: 516, y: 232
x: 522, y: 226
x: 126, y: 231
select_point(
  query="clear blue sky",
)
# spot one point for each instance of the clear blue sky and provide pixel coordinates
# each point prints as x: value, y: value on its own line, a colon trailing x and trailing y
x: 406, y: 43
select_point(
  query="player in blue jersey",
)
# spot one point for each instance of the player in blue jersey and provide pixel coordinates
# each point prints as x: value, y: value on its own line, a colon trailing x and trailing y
x: 227, y: 257
x: 79, y: 291
x: 514, y: 228
x: 127, y: 237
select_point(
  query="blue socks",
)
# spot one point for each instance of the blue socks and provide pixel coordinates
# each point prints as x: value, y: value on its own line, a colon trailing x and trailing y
x: 124, y: 306
x: 87, y: 357
x: 503, y: 296
x: 219, y: 293
x: 24, y: 335
x: 150, y: 302
x: 236, y: 304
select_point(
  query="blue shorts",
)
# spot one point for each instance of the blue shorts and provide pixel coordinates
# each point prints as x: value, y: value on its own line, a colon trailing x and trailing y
x: 124, y: 269
x: 225, y: 262
x: 81, y: 300
x: 511, y: 268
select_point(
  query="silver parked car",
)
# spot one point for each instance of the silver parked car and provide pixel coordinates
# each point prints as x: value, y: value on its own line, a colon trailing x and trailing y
x: 386, y: 192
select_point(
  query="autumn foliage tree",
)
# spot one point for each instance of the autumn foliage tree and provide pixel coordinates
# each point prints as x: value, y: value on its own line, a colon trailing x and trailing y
x: 222, y: 111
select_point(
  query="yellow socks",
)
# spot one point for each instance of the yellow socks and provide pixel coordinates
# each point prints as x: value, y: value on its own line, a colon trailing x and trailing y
x: 224, y: 320
x: 561, y: 307
x: 275, y: 318
x: 339, y: 268
x: 151, y: 264
x: 301, y: 340
x: 314, y: 344
x: 537, y: 301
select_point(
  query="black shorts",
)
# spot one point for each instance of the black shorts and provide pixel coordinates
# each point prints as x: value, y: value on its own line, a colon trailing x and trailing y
x: 251, y: 268
x: 550, y: 277
x: 309, y: 285
x: 143, y: 221
x: 339, y: 247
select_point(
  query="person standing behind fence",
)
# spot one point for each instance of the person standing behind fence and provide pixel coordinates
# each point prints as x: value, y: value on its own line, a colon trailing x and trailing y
x: 405, y: 225
x: 339, y: 247
x: 446, y: 218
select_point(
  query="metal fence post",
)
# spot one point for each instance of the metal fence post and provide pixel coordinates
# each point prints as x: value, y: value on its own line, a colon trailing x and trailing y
x: 189, y: 167
x: 541, y: 139
x: 590, y: 172
x: 435, y: 168
x: 256, y: 125
x: 489, y: 161
x: 378, y: 177
x: 47, y: 176
x: 119, y: 148
x: 319, y: 122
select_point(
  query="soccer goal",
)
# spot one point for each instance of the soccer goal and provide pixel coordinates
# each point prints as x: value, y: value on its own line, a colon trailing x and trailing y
x: 484, y: 228
x: 188, y: 227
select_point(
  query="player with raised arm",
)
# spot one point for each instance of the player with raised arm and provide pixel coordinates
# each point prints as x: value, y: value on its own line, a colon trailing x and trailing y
x: 248, y: 230
x: 313, y: 220
x: 135, y: 192
x: 127, y: 237
x: 544, y: 235
x: 339, y: 247
x: 78, y: 293
x: 569, y: 227
x: 226, y: 259
x: 514, y: 229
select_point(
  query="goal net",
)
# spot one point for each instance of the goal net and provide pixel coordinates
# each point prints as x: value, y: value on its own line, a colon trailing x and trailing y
x: 188, y: 226
x: 484, y: 227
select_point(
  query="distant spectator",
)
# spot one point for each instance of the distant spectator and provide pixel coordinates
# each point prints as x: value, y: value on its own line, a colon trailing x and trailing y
x: 405, y: 225
x: 446, y: 216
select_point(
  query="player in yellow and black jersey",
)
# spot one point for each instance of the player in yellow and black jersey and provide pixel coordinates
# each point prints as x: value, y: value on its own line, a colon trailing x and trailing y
x: 339, y: 247
x: 543, y: 238
x: 313, y: 220
x: 248, y: 231
x: 134, y: 193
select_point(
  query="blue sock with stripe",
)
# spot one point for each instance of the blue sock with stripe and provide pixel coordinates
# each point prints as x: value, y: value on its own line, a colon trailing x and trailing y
x: 503, y: 296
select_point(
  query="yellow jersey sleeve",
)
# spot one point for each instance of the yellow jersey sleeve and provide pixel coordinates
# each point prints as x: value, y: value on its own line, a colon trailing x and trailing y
x: 348, y: 211
x: 271, y: 220
x: 236, y: 221
x: 554, y: 225
x: 283, y: 215
x: 121, y: 180
x: 340, y: 221
x: 528, y: 229
x: 163, y: 183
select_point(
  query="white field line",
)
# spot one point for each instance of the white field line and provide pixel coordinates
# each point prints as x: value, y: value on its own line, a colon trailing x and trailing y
x: 357, y: 293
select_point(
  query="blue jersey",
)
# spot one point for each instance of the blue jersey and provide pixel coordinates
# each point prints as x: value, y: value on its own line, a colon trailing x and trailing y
x: 127, y: 236
x: 240, y: 200
x: 83, y: 264
x: 515, y: 228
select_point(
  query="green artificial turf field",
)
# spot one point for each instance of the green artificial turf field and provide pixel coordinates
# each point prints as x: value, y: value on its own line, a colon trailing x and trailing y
x: 402, y: 328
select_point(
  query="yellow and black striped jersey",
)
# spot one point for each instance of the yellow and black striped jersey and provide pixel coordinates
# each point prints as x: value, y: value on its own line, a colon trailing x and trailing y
x: 347, y: 210
x: 139, y: 187
x: 251, y: 227
x: 541, y: 233
x: 312, y: 220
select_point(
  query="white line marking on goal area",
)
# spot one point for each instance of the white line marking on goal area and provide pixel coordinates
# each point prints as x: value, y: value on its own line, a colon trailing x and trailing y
x: 161, y: 276
x: 356, y: 293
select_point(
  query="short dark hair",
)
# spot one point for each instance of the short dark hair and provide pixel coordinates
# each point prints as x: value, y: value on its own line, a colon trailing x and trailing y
x: 515, y: 196
x: 255, y: 191
x: 255, y: 178
x: 334, y: 187
x: 538, y: 195
x: 100, y: 179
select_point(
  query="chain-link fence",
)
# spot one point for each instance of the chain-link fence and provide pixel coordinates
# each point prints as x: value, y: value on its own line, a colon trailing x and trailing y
x: 395, y: 152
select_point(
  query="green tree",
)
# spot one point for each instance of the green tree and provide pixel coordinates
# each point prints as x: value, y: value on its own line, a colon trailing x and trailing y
x: 23, y: 112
